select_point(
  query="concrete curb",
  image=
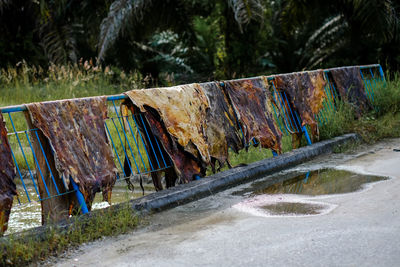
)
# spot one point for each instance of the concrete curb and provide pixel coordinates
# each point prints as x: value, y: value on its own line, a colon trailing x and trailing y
x: 204, y: 187
x: 215, y: 183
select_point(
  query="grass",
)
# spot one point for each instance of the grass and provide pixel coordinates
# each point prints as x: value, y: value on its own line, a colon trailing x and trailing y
x: 381, y: 122
x: 257, y: 153
x: 21, y: 250
x: 26, y: 84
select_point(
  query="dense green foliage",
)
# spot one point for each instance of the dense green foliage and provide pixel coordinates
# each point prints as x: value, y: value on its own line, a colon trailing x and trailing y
x: 173, y: 41
x: 382, y: 122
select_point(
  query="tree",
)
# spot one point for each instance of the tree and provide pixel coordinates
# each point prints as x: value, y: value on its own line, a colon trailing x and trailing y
x: 134, y: 22
x: 310, y: 33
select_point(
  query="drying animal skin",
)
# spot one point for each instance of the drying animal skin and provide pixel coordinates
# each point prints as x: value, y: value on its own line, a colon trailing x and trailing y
x: 305, y: 91
x: 184, y: 165
x: 251, y: 102
x: 351, y: 88
x: 183, y: 112
x: 318, y: 94
x: 222, y: 130
x: 76, y: 132
x: 7, y: 174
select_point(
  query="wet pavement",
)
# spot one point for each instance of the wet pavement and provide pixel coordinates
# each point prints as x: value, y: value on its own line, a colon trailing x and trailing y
x: 279, y: 223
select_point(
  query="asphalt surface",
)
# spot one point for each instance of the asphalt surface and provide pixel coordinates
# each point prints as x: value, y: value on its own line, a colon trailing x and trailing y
x: 360, y: 228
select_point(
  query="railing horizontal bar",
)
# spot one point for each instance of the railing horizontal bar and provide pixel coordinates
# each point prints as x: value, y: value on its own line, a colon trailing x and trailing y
x: 361, y: 67
x: 116, y: 97
x: 61, y: 194
x: 19, y: 132
x: 18, y: 108
x: 11, y: 109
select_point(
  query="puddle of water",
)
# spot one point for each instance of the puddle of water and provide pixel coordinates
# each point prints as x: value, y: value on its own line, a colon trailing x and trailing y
x: 319, y: 182
x: 284, y: 196
x: 293, y: 208
x: 28, y: 215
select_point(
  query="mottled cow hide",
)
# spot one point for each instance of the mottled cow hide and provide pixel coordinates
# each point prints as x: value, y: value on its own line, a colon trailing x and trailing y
x: 222, y: 130
x: 7, y: 174
x: 75, y: 129
x: 177, y: 116
x: 305, y: 91
x: 351, y: 88
x: 251, y: 102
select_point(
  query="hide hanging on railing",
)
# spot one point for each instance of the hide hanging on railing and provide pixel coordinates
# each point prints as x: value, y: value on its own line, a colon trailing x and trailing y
x: 251, y: 102
x: 75, y: 130
x: 305, y: 91
x: 351, y: 89
x: 177, y: 117
x: 7, y: 174
x: 183, y: 111
x: 222, y: 130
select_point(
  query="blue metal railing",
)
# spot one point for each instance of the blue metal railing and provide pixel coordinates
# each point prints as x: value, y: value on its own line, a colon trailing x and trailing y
x: 286, y: 116
x: 135, y: 148
x: 371, y: 75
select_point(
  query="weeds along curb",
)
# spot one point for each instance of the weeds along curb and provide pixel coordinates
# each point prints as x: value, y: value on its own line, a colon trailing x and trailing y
x: 195, y: 190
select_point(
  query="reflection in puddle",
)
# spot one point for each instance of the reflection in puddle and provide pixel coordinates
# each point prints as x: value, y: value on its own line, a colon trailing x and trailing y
x: 319, y: 182
x: 288, y: 187
x: 293, y: 208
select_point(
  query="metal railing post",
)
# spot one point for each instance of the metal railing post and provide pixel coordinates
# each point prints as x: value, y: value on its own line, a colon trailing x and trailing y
x: 79, y: 196
x: 304, y: 129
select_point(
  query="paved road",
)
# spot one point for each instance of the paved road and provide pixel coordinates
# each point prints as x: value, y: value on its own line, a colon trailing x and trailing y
x: 363, y: 229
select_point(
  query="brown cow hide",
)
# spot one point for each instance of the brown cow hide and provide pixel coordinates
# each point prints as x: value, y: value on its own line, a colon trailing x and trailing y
x: 305, y: 91
x: 185, y: 164
x: 351, y: 88
x: 183, y: 112
x: 7, y: 174
x: 75, y: 129
x: 251, y: 102
x: 222, y: 130
x: 317, y: 95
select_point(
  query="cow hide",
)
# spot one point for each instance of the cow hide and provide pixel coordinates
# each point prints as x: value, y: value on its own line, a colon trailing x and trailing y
x: 7, y: 174
x: 76, y: 132
x: 251, y: 102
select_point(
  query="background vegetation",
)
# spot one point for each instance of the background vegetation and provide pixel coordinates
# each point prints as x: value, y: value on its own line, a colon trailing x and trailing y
x: 176, y: 41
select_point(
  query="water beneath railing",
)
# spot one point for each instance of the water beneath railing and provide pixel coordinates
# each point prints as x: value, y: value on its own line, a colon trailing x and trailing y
x: 28, y: 215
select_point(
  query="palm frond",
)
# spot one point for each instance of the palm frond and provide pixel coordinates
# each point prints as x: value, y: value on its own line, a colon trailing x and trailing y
x: 247, y: 10
x: 121, y: 11
x: 3, y: 5
x: 58, y: 42
x: 376, y: 16
x: 327, y: 32
x: 172, y: 57
x: 325, y: 41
